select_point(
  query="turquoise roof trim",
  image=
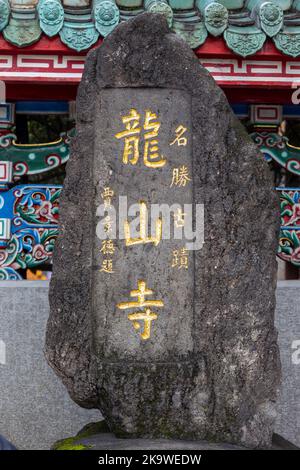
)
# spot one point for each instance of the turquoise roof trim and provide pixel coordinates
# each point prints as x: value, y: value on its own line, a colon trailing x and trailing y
x: 244, y: 24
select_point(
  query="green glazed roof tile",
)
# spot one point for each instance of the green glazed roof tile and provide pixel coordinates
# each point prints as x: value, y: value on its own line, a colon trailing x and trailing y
x: 243, y: 24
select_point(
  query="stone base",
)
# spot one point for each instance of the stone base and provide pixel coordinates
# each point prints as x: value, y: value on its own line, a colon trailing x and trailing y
x: 97, y: 437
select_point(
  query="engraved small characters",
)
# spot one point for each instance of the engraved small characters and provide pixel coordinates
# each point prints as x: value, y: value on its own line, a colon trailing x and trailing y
x: 107, y: 224
x: 180, y: 140
x: 107, y: 196
x: 179, y: 218
x: 180, y: 176
x: 143, y: 229
x: 107, y: 247
x: 180, y: 259
x: 107, y: 266
x: 147, y: 316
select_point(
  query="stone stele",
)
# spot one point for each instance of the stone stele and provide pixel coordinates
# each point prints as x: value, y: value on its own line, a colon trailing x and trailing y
x: 152, y: 125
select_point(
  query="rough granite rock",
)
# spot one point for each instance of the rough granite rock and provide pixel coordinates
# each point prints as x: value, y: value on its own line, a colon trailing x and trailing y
x: 214, y: 373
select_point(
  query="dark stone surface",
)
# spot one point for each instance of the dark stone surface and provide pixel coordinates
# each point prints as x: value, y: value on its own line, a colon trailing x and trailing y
x: 222, y: 384
x: 144, y: 261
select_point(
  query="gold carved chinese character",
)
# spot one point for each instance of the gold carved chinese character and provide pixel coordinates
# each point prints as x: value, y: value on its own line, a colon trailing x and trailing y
x: 179, y: 139
x: 107, y: 266
x: 147, y: 316
x: 107, y: 247
x: 132, y: 134
x: 152, y: 158
x: 180, y: 259
x: 143, y: 229
x: 107, y: 224
x: 107, y: 196
x: 180, y: 176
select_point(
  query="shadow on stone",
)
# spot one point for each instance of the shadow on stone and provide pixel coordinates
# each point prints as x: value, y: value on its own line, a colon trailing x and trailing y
x: 96, y: 436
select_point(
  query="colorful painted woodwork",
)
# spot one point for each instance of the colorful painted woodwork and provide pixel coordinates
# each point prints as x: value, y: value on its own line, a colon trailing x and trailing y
x: 30, y: 159
x: 244, y: 24
x: 289, y: 241
x: 276, y: 147
x: 28, y: 228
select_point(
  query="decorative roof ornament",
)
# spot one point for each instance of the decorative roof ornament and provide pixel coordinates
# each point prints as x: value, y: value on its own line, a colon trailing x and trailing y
x: 4, y: 13
x: 215, y: 16
x: 271, y: 18
x: 232, y: 4
x: 129, y: 8
x: 288, y: 41
x: 106, y: 15
x: 79, y: 37
x: 189, y: 26
x: 23, y: 28
x: 244, y: 24
x: 244, y: 41
x: 78, y: 31
x: 51, y: 14
x: 284, y: 4
x: 160, y: 6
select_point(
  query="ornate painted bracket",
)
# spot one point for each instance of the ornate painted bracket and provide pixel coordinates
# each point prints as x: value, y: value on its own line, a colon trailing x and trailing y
x: 28, y: 228
x: 275, y: 147
x: 22, y: 159
x: 289, y: 241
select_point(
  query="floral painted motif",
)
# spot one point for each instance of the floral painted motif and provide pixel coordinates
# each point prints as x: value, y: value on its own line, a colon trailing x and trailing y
x: 289, y: 240
x: 36, y: 206
x: 28, y: 248
x: 33, y: 211
x: 289, y: 246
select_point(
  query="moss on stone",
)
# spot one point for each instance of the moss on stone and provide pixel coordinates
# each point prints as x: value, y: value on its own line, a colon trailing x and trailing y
x: 69, y: 444
x: 73, y: 443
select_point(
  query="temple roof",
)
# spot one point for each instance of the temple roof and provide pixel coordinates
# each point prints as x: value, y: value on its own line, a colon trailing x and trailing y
x: 245, y: 25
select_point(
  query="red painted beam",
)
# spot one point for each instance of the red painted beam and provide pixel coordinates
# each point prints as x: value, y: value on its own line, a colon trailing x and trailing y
x: 53, y: 86
x: 250, y: 95
x: 44, y: 92
x: 40, y: 92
